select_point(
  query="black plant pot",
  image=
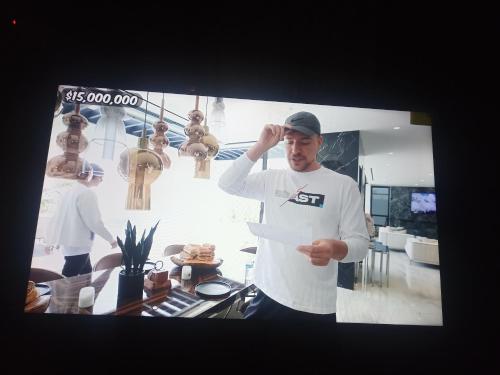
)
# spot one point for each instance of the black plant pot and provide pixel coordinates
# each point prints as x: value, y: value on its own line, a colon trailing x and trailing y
x: 130, y: 287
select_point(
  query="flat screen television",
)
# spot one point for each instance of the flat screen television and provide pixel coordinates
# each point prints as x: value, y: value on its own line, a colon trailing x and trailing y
x: 423, y: 203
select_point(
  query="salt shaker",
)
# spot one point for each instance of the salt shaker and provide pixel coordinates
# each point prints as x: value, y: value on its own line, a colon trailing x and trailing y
x: 249, y: 268
x: 186, y: 273
x: 186, y: 277
x: 86, y: 297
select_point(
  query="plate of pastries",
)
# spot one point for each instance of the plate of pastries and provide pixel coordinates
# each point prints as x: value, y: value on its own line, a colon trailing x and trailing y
x: 37, y: 297
x: 197, y: 255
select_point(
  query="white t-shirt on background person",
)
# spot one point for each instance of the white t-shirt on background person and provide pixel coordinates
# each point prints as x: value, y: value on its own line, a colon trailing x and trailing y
x: 77, y: 219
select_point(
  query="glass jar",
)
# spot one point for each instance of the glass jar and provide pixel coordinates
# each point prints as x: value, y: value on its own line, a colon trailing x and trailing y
x: 249, y: 273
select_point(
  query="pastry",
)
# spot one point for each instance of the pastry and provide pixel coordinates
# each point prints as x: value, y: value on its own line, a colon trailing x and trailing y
x: 202, y: 253
x: 32, y: 293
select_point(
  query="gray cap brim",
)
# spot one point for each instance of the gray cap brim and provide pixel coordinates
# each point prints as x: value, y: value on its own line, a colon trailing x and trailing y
x: 301, y: 129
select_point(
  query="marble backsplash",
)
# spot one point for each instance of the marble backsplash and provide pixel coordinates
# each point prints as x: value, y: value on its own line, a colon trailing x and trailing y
x: 340, y: 153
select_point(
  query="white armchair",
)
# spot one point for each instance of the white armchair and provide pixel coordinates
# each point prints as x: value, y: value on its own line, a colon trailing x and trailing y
x: 397, y: 240
x: 423, y: 250
x: 382, y: 233
x: 393, y: 237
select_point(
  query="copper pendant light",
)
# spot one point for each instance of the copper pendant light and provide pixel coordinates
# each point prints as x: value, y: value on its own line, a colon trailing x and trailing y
x: 159, y: 139
x: 73, y: 142
x: 141, y: 167
x: 201, y: 144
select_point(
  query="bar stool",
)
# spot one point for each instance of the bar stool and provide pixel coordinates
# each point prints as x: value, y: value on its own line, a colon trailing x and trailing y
x: 364, y: 270
x: 383, y: 250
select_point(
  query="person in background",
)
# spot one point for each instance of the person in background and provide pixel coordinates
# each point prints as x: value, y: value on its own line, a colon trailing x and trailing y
x: 301, y: 282
x: 370, y: 226
x: 75, y: 223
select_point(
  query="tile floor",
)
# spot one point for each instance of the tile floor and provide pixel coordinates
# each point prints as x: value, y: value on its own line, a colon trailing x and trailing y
x: 413, y: 296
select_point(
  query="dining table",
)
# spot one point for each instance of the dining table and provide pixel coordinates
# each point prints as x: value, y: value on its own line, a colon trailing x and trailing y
x: 181, y: 299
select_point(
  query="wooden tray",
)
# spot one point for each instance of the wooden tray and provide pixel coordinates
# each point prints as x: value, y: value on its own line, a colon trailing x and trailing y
x: 196, y: 263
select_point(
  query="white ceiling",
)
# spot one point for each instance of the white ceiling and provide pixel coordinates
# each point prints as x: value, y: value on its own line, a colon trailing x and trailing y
x: 411, y: 161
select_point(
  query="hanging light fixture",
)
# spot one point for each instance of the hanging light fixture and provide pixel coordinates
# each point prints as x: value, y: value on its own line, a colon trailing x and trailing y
x: 202, y: 167
x: 159, y: 139
x: 73, y: 142
x: 109, y: 131
x: 141, y: 167
x: 200, y: 145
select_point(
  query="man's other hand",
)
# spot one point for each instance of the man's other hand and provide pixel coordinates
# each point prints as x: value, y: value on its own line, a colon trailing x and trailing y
x: 321, y: 251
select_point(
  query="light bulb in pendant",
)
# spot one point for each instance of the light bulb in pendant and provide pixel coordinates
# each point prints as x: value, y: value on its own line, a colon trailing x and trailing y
x: 109, y: 133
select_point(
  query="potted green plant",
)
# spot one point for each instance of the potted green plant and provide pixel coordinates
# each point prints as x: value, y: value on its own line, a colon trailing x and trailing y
x: 135, y: 255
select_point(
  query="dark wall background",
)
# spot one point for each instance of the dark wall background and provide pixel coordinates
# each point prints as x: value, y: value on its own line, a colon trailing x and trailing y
x: 340, y: 153
x: 419, y: 59
x: 400, y: 214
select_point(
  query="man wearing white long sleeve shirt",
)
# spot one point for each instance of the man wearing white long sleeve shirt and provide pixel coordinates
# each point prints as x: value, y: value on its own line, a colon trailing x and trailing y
x: 76, y: 221
x: 300, y: 282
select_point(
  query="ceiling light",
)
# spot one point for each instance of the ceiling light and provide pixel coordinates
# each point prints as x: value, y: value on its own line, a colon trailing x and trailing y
x: 72, y: 141
x: 397, y: 127
x: 159, y: 138
x: 201, y: 144
x: 390, y: 153
x: 140, y: 166
x: 109, y: 132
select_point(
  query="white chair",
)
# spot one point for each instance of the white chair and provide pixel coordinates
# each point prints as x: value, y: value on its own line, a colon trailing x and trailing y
x: 383, y: 233
x: 41, y: 275
x: 423, y: 250
x: 172, y: 250
x: 397, y: 240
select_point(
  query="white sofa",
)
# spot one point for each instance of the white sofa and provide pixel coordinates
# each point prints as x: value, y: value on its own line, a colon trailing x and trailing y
x: 423, y: 250
x: 397, y: 240
x: 393, y: 237
x: 382, y: 233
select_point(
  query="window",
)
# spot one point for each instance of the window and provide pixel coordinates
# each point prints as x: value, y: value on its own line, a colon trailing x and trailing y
x: 380, y: 205
x: 190, y: 210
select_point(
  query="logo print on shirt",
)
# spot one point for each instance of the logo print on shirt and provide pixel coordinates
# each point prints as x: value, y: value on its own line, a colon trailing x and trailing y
x: 309, y: 199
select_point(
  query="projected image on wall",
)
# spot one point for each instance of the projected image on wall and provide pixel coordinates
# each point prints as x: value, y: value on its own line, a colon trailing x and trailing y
x: 165, y: 205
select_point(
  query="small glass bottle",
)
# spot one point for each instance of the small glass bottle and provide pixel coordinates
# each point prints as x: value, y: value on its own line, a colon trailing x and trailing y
x: 249, y: 271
